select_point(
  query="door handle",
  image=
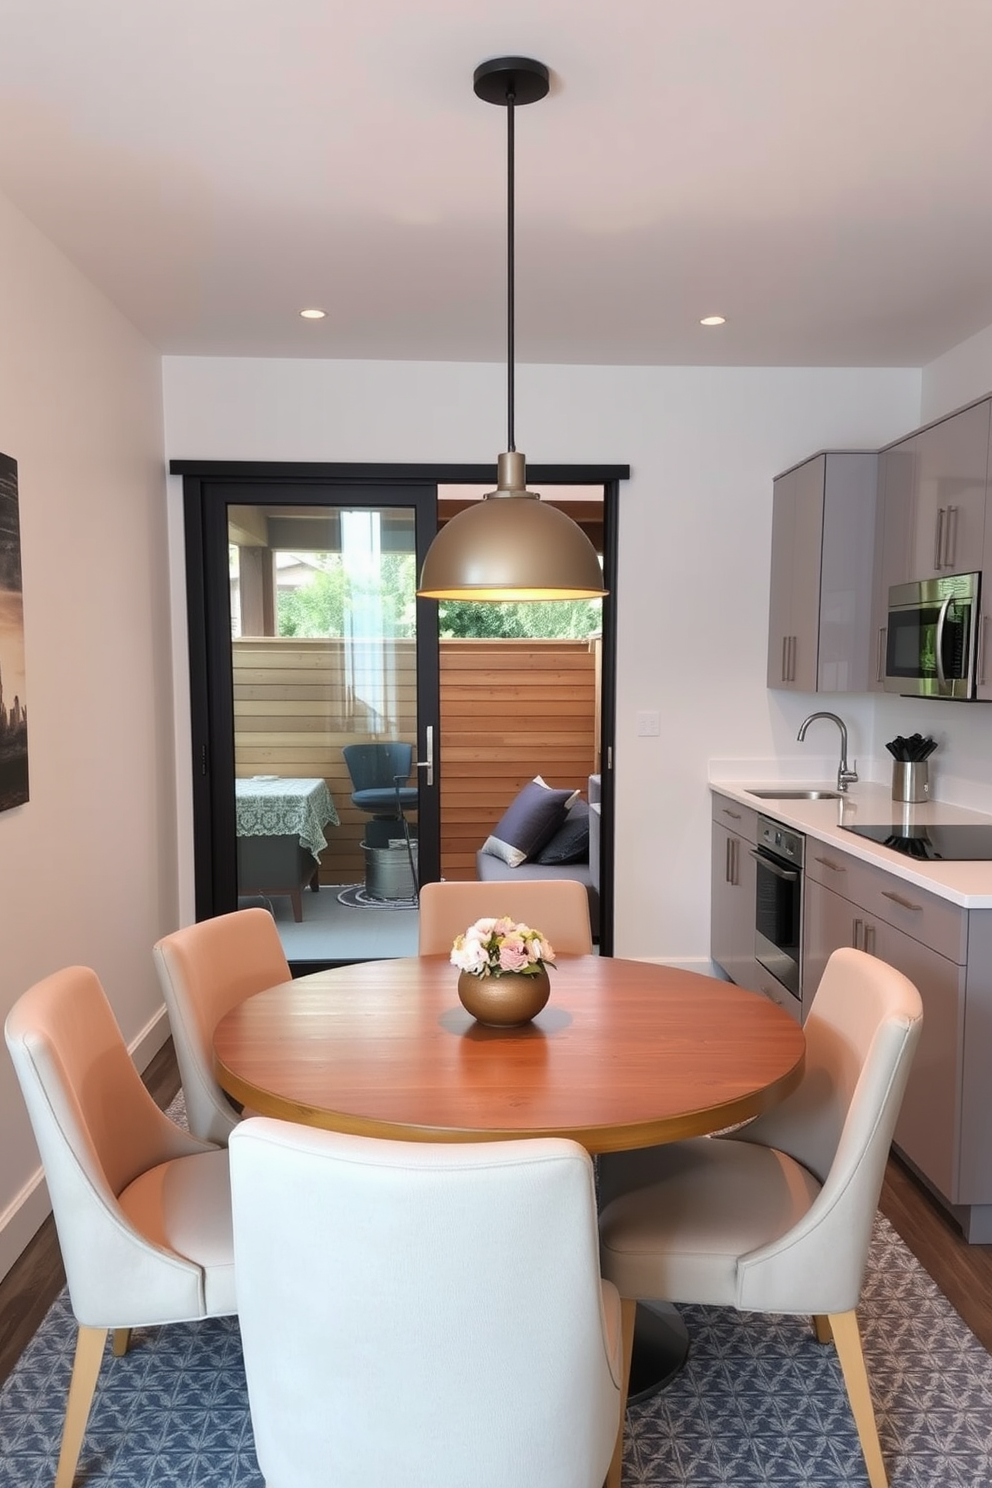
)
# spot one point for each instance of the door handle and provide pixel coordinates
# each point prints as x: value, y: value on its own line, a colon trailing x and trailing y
x: 880, y: 654
x: 765, y: 862
x: 428, y: 763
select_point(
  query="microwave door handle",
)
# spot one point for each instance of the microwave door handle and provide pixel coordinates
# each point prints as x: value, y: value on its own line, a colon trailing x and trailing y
x: 939, y: 641
x: 766, y: 862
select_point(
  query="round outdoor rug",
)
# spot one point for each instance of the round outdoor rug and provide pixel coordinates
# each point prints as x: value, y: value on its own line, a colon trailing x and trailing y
x: 356, y: 896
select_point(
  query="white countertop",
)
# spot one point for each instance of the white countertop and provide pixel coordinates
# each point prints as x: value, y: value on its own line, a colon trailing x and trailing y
x: 966, y: 883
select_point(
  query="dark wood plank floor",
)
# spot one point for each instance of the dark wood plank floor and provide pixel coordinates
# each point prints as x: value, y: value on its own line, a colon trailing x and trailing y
x: 963, y: 1272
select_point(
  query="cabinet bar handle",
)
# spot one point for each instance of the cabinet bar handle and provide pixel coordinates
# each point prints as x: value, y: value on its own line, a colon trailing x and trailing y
x: 735, y: 861
x: 983, y: 639
x: 903, y: 903
x: 785, y: 655
x: 727, y: 812
x: 939, y: 540
x: 880, y: 656
x: 858, y: 934
x: 951, y: 543
x: 869, y: 944
x: 726, y: 863
x: 834, y: 867
x: 792, y: 665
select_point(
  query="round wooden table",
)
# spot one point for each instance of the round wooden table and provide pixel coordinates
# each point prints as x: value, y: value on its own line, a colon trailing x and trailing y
x: 626, y: 1054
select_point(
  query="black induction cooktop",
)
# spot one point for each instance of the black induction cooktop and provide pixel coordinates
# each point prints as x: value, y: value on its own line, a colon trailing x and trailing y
x: 948, y: 843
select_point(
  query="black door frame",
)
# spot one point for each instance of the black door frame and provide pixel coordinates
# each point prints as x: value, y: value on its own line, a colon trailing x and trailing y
x: 209, y: 487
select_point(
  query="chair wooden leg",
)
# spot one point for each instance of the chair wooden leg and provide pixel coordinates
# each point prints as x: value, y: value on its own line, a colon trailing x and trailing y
x: 847, y: 1337
x: 85, y: 1368
x: 628, y: 1311
x: 121, y: 1342
x: 821, y: 1327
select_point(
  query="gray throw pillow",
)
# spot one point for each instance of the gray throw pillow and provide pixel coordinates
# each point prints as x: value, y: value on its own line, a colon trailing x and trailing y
x: 531, y: 818
x: 570, y: 844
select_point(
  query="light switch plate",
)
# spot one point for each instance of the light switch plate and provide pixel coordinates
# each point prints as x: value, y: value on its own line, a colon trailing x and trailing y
x: 648, y: 724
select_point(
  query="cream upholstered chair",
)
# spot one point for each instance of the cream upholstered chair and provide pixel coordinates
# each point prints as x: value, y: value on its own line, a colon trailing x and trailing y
x: 778, y: 1217
x: 558, y: 907
x: 204, y: 971
x: 424, y: 1315
x: 142, y: 1209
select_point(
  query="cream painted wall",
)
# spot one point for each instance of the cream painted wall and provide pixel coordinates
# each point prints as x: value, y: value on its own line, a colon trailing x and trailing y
x: 88, y: 865
x: 703, y: 445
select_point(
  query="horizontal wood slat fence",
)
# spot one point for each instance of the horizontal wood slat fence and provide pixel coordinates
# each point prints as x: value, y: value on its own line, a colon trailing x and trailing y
x: 509, y: 710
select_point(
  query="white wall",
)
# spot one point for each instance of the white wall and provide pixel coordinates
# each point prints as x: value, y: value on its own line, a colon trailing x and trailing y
x: 88, y: 865
x: 703, y: 445
x: 959, y: 376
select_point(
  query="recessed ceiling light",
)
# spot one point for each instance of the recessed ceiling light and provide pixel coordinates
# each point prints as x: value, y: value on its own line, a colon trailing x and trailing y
x: 313, y: 314
x: 713, y: 320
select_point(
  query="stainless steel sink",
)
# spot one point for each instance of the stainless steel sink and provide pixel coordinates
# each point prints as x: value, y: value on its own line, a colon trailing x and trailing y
x: 782, y: 794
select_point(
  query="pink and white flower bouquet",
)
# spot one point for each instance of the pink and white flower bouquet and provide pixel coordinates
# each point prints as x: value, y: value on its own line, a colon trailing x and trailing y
x: 501, y: 947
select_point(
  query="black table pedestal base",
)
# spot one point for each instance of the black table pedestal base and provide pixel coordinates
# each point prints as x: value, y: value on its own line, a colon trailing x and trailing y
x: 661, y: 1344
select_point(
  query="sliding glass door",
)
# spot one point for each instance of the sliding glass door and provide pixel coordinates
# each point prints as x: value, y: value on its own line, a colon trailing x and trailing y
x: 320, y: 693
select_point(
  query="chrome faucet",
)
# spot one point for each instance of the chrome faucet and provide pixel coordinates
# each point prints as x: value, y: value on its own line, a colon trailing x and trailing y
x: 845, y: 777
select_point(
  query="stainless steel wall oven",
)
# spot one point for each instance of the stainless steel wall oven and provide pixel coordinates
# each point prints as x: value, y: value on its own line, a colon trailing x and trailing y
x: 778, y: 909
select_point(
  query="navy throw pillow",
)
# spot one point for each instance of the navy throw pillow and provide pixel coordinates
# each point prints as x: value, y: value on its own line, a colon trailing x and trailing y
x: 570, y: 844
x: 531, y: 818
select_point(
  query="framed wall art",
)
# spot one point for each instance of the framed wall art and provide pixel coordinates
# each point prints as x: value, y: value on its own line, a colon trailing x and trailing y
x: 13, y: 691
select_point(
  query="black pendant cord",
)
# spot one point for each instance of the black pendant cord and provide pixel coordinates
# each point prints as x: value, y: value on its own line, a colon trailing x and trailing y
x: 510, y: 101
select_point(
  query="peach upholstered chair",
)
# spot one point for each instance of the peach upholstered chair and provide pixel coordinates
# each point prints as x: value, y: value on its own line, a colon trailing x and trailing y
x: 558, y: 907
x: 142, y: 1209
x: 778, y: 1217
x: 204, y: 971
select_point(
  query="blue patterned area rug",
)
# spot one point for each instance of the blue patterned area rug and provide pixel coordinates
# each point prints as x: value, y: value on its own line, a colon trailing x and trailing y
x: 758, y: 1405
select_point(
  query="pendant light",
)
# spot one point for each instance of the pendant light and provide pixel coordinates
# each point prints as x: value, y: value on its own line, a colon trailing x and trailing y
x: 511, y: 545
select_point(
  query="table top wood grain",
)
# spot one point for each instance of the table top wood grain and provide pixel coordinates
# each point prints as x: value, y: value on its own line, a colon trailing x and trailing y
x: 626, y: 1054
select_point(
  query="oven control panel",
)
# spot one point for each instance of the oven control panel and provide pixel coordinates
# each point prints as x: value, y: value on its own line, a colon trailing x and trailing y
x: 775, y: 838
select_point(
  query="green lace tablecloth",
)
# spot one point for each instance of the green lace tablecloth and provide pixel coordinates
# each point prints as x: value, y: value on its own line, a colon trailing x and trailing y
x: 278, y: 806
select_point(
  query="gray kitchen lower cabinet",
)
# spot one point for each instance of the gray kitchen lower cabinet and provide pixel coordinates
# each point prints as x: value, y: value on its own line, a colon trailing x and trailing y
x: 927, y: 1130
x: 735, y: 832
x: 945, y: 1124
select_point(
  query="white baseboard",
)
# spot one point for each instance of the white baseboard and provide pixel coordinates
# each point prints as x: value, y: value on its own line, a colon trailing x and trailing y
x: 29, y: 1209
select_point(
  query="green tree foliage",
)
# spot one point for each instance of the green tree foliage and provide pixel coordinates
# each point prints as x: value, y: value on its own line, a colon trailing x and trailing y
x: 383, y: 602
x: 558, y: 619
x: 377, y: 603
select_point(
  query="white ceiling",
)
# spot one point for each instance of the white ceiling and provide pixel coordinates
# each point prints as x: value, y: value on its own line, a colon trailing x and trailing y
x: 818, y: 171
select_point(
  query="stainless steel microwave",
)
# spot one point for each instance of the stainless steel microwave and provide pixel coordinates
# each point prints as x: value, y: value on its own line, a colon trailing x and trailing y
x: 931, y: 638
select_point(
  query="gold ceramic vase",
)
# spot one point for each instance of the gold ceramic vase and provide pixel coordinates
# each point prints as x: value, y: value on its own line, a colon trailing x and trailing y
x: 506, y: 1001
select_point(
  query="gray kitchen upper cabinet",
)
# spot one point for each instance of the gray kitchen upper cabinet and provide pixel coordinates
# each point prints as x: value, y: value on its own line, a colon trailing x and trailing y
x: 949, y: 495
x: 823, y: 539
x: 893, y: 542
x: 932, y: 501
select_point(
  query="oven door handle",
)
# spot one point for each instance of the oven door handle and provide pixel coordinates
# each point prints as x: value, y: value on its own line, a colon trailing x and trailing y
x: 939, y: 640
x: 789, y: 874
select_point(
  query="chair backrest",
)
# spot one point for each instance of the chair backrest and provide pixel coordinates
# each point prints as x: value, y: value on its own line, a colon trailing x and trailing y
x: 204, y: 971
x: 417, y: 1313
x: 558, y: 907
x: 376, y: 765
x: 97, y: 1129
x: 861, y: 1034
